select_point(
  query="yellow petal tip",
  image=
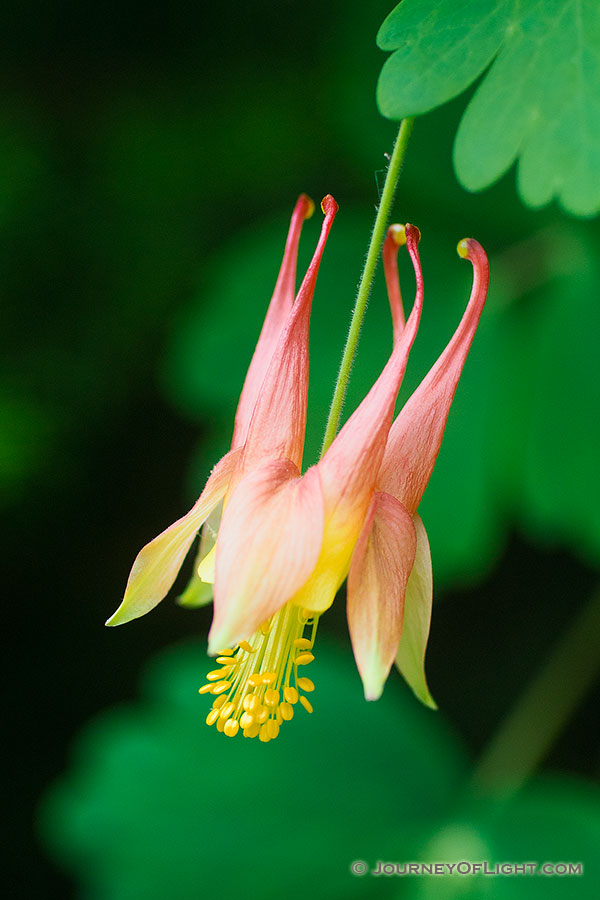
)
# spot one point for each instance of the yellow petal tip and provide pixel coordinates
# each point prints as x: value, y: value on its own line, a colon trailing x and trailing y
x: 426, y: 699
x: 373, y: 687
x: 371, y: 696
x: 121, y: 615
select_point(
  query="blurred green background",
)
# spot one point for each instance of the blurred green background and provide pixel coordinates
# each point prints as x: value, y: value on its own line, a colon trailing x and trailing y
x: 149, y: 159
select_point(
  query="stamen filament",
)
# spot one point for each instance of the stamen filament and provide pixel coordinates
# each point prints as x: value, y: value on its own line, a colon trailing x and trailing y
x: 258, y: 682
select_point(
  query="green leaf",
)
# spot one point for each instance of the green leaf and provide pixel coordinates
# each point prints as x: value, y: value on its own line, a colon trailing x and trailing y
x: 441, y: 48
x: 158, y: 805
x: 539, y: 103
x: 552, y: 820
x: 154, y: 804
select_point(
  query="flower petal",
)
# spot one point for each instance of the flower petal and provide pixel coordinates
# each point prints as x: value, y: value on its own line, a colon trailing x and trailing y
x: 342, y: 527
x: 275, y: 320
x: 268, y: 544
x: 157, y: 564
x: 396, y: 238
x: 278, y: 423
x: 416, y: 435
x: 199, y: 591
x: 350, y: 466
x: 206, y: 567
x: 380, y: 568
x: 417, y: 618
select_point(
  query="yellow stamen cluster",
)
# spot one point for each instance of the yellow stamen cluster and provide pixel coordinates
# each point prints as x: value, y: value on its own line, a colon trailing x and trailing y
x: 257, y: 685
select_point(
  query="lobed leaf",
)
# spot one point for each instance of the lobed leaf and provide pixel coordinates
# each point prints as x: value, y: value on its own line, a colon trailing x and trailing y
x: 539, y: 103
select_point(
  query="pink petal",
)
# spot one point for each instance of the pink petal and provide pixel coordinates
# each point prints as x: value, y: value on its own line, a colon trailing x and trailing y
x: 410, y: 659
x: 278, y: 422
x: 275, y: 320
x: 350, y: 466
x: 416, y: 435
x: 381, y: 564
x: 268, y: 544
x: 396, y: 238
x: 157, y: 564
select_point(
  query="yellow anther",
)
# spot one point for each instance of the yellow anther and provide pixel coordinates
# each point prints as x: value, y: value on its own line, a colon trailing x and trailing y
x: 301, y: 644
x: 273, y: 728
x: 251, y: 702
x: 227, y: 710
x: 462, y: 248
x: 305, y: 703
x: 287, y: 711
x: 217, y: 674
x: 251, y: 687
x: 246, y: 720
x: 212, y: 717
x: 232, y: 727
x: 291, y: 694
x: 271, y: 697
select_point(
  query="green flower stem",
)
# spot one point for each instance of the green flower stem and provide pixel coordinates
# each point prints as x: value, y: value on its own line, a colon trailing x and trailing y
x: 530, y: 728
x: 366, y: 280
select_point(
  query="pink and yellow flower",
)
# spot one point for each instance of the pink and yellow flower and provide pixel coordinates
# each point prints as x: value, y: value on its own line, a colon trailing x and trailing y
x: 278, y: 544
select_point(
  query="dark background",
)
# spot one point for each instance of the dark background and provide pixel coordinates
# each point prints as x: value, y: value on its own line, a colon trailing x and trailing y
x: 135, y: 141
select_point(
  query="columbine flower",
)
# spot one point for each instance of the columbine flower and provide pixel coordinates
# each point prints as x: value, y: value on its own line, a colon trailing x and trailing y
x: 286, y: 541
x: 390, y: 582
x: 269, y: 423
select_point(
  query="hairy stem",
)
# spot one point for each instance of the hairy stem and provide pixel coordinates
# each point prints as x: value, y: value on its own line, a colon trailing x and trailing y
x: 366, y: 279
